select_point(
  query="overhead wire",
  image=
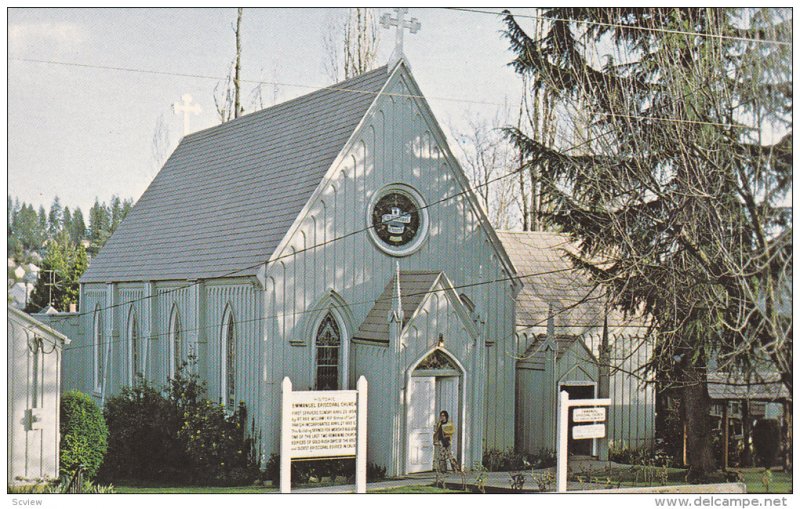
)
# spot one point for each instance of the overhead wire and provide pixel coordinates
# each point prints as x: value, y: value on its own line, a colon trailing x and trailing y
x: 627, y: 27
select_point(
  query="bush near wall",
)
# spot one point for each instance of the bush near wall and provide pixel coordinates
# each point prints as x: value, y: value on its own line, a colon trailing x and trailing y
x: 84, y: 435
x: 177, y: 435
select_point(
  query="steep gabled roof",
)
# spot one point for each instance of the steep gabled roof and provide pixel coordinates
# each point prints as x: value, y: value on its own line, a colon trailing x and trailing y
x: 414, y: 285
x: 550, y: 282
x: 227, y: 196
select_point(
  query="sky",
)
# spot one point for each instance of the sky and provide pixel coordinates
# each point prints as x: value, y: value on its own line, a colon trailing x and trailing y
x: 82, y: 131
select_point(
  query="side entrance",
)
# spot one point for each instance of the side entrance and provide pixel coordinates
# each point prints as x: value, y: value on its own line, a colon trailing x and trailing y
x: 436, y: 384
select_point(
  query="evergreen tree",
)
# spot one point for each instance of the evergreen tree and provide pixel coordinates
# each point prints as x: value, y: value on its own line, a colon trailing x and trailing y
x: 678, y: 196
x: 42, y: 221
x: 55, y: 218
x: 99, y: 226
x: 77, y: 228
x: 62, y: 267
x: 66, y: 222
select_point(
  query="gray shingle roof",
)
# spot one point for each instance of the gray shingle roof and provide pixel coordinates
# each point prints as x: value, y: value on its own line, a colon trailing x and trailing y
x: 228, y: 195
x: 762, y: 386
x: 553, y: 281
x: 413, y: 287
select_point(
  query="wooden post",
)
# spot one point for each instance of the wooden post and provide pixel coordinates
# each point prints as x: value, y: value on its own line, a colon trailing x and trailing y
x: 286, y: 423
x: 562, y: 432
x: 361, y: 436
x: 725, y: 435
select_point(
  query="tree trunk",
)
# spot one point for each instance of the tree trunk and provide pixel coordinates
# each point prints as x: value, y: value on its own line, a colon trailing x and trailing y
x: 237, y: 107
x: 699, y: 456
x: 787, y: 436
x: 747, y: 424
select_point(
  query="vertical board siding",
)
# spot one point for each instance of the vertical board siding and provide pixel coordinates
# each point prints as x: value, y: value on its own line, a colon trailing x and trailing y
x: 395, y: 145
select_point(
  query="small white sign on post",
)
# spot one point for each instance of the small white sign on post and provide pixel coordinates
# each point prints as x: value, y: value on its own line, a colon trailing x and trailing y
x: 588, y: 431
x: 591, y: 430
x: 589, y: 414
x: 324, y: 424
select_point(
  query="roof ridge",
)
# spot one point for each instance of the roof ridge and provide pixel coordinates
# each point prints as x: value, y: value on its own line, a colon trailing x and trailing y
x: 286, y: 103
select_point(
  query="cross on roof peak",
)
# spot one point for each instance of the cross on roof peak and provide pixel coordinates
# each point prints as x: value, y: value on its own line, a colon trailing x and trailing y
x: 400, y: 23
x: 186, y: 107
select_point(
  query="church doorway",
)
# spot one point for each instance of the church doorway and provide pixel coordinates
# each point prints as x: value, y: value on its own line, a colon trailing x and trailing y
x: 435, y: 385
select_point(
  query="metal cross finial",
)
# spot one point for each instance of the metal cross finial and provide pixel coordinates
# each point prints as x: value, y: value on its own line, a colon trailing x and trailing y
x: 401, y: 23
x: 187, y: 108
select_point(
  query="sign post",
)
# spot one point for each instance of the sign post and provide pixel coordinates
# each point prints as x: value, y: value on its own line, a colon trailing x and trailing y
x: 578, y: 432
x: 324, y: 424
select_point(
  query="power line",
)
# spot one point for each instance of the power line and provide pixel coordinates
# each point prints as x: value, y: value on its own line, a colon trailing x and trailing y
x: 363, y: 303
x: 347, y: 235
x: 627, y: 27
x: 256, y: 82
x: 354, y: 90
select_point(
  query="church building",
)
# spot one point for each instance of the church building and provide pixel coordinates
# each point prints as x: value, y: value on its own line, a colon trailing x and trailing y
x: 325, y: 238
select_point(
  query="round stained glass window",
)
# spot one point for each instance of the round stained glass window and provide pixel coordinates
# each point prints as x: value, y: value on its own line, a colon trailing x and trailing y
x: 398, y: 220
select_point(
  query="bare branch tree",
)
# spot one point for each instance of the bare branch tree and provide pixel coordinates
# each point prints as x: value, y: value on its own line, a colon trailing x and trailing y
x: 485, y: 156
x: 350, y: 44
x: 227, y: 99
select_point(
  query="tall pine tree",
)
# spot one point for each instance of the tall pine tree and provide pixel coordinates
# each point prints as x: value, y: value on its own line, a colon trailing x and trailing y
x: 678, y: 198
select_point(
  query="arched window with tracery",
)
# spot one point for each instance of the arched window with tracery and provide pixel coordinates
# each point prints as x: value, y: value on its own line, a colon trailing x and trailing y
x: 134, y: 343
x: 97, y: 349
x: 176, y: 342
x: 229, y: 365
x: 328, y: 345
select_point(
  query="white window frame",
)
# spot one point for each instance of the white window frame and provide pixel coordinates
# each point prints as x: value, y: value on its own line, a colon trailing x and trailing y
x: 344, y: 349
x: 228, y: 317
x: 97, y: 349
x: 133, y: 346
x: 176, y: 342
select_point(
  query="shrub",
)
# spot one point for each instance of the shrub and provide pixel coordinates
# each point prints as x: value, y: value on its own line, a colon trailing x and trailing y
x: 142, y: 443
x: 216, y: 446
x: 84, y: 435
x: 304, y: 471
x: 766, y: 441
x: 177, y: 435
x: 495, y: 460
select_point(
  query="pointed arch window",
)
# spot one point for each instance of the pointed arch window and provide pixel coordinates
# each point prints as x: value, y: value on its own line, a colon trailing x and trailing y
x: 97, y: 349
x: 176, y: 342
x: 229, y: 365
x: 328, y: 353
x: 134, y: 342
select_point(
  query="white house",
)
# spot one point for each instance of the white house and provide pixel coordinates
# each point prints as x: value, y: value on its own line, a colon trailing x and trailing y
x: 34, y: 397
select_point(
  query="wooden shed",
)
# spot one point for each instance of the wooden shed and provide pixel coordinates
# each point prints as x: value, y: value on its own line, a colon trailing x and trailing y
x: 34, y: 383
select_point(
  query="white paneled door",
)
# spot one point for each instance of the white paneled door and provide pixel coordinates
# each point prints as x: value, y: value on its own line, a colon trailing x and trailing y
x: 421, y: 419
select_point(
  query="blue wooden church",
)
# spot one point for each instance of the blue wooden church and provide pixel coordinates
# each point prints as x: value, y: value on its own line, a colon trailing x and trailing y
x: 325, y: 238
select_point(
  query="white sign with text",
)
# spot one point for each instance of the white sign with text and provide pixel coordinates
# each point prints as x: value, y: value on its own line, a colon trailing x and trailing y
x: 588, y: 431
x: 589, y: 414
x: 323, y: 424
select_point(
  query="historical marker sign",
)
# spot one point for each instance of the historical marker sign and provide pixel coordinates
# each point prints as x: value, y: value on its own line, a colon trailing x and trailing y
x: 324, y: 424
x: 589, y: 414
x: 588, y: 431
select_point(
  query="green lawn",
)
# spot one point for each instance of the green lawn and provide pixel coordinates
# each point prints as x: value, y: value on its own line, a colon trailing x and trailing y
x: 414, y: 489
x: 260, y: 489
x: 781, y: 481
x: 168, y: 489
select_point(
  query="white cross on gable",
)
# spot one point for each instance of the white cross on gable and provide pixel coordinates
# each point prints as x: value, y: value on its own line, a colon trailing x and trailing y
x: 186, y: 107
x: 413, y: 26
